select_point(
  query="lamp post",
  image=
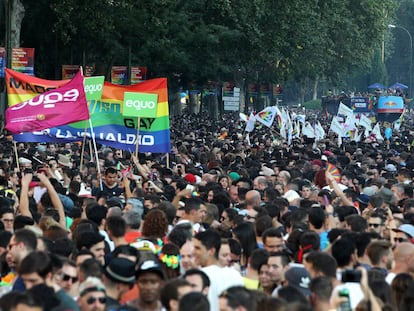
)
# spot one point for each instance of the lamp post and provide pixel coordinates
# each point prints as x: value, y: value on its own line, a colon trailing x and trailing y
x: 411, y: 54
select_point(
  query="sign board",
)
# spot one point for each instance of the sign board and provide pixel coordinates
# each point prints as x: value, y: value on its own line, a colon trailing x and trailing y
x: 23, y: 60
x: 138, y: 74
x: 232, y: 103
x: 140, y: 105
x: 94, y: 87
x: 361, y: 104
x: 119, y: 75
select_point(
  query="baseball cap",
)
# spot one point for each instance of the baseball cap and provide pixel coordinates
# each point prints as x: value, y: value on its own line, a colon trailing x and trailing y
x: 299, y: 277
x: 407, y: 229
x: 150, y: 266
x: 390, y: 168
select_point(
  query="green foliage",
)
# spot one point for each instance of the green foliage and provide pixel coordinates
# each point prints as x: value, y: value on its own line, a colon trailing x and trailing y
x: 313, y: 104
x: 195, y: 41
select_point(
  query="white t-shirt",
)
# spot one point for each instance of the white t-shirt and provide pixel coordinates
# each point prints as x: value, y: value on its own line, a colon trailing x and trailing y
x: 220, y: 280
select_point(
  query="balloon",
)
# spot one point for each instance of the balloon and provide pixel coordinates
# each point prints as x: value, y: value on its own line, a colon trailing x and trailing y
x: 388, y: 133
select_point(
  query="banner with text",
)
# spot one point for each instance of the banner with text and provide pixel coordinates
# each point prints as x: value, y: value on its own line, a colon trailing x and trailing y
x: 138, y: 74
x: 119, y: 75
x: 23, y: 60
x: 109, y: 125
x: 361, y: 104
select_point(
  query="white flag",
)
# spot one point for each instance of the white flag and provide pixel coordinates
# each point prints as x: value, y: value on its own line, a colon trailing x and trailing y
x: 250, y: 123
x: 357, y: 136
x: 365, y: 121
x: 377, y: 132
x: 319, y: 131
x: 349, y: 124
x: 308, y: 130
x: 336, y: 127
x: 345, y: 110
x: 301, y: 118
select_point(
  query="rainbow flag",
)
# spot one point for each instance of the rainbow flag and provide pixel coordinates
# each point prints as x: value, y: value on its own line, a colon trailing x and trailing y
x: 266, y: 116
x: 110, y: 127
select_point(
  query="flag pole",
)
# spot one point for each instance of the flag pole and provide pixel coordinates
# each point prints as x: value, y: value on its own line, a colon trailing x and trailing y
x: 96, y: 154
x: 137, y: 143
x: 83, y: 148
x: 16, y: 154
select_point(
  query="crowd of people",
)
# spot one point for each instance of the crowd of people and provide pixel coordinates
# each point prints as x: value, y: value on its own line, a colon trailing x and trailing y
x: 222, y: 223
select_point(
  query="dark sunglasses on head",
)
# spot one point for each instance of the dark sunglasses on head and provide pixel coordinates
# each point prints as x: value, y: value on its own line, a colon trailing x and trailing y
x: 92, y: 300
x: 66, y: 278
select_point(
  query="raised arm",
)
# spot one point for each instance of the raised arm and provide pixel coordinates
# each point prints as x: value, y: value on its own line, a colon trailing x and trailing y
x: 54, y: 197
x: 24, y: 195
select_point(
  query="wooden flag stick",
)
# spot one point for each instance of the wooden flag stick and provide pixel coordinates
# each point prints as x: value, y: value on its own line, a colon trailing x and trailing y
x: 137, y: 143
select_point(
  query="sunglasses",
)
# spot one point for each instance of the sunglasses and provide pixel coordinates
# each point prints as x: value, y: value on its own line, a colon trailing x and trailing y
x: 66, y: 278
x: 400, y: 240
x: 374, y: 225
x: 92, y: 300
x: 248, y: 217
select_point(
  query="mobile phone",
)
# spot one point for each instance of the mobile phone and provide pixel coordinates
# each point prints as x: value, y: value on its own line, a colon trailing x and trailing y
x: 190, y: 187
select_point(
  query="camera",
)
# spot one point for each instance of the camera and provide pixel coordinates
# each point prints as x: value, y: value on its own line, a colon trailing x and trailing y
x: 351, y: 276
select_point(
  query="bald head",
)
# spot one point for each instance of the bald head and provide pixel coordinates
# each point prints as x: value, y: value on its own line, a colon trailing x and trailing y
x: 403, y: 250
x: 253, y: 198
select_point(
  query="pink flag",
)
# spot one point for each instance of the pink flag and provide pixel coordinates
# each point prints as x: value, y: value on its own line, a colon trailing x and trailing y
x: 64, y: 105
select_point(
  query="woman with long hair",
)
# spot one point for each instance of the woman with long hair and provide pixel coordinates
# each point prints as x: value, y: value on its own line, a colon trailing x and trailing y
x: 244, y: 233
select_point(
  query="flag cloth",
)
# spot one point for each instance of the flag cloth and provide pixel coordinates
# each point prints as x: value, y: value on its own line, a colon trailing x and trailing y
x: 301, y: 118
x: 308, y: 130
x: 111, y: 128
x: 266, y: 116
x: 377, y: 132
x: 336, y: 127
x: 357, y: 137
x: 349, y: 124
x: 64, y: 105
x: 250, y: 123
x: 345, y: 110
x: 398, y: 122
x: 365, y: 121
x: 319, y: 131
x: 289, y: 128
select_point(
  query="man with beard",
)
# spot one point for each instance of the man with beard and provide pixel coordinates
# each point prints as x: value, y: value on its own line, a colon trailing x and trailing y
x: 92, y: 295
x: 150, y: 279
x: 21, y: 244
